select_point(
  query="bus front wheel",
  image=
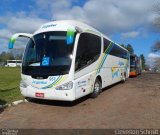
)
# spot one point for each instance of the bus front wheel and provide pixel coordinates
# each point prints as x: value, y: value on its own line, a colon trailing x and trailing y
x: 97, y: 88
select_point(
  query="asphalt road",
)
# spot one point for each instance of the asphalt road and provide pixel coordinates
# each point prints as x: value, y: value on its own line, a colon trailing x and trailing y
x: 134, y: 104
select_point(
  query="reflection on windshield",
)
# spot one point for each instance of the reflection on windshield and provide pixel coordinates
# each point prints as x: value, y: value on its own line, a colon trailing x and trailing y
x: 47, y: 50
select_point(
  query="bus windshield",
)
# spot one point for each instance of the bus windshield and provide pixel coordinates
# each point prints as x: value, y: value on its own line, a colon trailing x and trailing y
x: 48, y: 54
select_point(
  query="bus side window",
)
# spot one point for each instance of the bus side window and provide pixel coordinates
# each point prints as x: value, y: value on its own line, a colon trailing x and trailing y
x: 88, y: 50
x: 106, y: 44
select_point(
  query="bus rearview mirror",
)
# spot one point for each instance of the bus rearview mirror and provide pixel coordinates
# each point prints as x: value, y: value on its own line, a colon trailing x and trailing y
x: 15, y: 36
x: 11, y: 43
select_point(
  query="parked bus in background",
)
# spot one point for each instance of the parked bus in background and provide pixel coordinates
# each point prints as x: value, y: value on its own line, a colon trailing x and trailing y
x: 135, y: 65
x: 13, y: 63
x: 66, y: 60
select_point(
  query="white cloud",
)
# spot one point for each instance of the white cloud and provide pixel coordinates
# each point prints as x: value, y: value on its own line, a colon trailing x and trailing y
x: 108, y: 16
x: 5, y: 33
x: 132, y: 34
x: 3, y: 45
x: 25, y: 24
x: 153, y: 55
x: 22, y: 22
x: 56, y: 5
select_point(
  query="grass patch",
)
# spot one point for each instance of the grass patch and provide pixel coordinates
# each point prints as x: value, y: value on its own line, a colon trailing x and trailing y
x: 9, y: 85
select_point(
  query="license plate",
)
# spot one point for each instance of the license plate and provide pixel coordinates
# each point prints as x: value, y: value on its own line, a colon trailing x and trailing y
x: 41, y: 95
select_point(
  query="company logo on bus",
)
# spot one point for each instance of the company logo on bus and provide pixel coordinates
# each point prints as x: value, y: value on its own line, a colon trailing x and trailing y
x: 82, y: 83
x: 50, y: 25
x: 39, y: 82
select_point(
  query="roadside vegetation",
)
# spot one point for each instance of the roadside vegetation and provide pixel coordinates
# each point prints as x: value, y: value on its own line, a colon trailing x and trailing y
x: 9, y: 85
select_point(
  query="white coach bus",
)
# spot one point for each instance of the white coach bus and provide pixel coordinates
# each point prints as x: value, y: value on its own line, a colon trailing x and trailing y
x: 66, y: 60
x: 13, y: 63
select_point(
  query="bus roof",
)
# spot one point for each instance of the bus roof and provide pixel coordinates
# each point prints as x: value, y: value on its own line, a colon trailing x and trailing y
x: 64, y: 25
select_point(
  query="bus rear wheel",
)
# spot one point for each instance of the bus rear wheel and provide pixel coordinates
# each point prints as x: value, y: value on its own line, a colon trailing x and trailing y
x: 97, y: 88
x: 123, y: 78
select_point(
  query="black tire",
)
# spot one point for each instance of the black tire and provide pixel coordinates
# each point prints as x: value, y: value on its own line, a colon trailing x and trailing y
x: 97, y: 88
x: 124, y: 78
x: 28, y: 99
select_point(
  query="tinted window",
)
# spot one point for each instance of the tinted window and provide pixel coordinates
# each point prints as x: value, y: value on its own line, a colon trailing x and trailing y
x: 118, y: 52
x: 106, y: 44
x: 133, y: 61
x: 88, y: 50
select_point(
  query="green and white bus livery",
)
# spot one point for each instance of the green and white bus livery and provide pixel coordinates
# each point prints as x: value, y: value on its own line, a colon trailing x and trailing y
x: 66, y: 60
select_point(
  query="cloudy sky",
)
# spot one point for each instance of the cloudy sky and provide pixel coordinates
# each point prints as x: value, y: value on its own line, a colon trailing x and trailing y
x: 124, y: 21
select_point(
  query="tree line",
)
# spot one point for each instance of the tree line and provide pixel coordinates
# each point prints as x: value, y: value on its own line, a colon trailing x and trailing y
x: 15, y: 54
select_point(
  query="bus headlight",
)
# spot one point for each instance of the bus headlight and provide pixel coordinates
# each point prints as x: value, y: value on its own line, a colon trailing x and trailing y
x: 65, y: 86
x: 23, y: 84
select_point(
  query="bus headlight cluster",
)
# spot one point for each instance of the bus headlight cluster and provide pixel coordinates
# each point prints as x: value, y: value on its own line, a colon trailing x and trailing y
x: 23, y: 84
x: 65, y: 86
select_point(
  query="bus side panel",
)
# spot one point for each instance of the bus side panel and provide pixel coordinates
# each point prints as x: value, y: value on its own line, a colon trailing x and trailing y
x: 84, y: 84
x: 105, y: 73
x: 113, y: 70
x: 84, y: 80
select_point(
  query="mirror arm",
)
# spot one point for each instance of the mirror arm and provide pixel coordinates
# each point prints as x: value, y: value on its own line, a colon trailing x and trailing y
x: 15, y: 36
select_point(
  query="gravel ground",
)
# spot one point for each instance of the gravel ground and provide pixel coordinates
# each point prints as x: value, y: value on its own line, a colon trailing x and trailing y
x: 134, y: 104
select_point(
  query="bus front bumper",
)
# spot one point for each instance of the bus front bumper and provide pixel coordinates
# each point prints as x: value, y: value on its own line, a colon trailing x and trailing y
x: 132, y: 73
x: 49, y: 94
